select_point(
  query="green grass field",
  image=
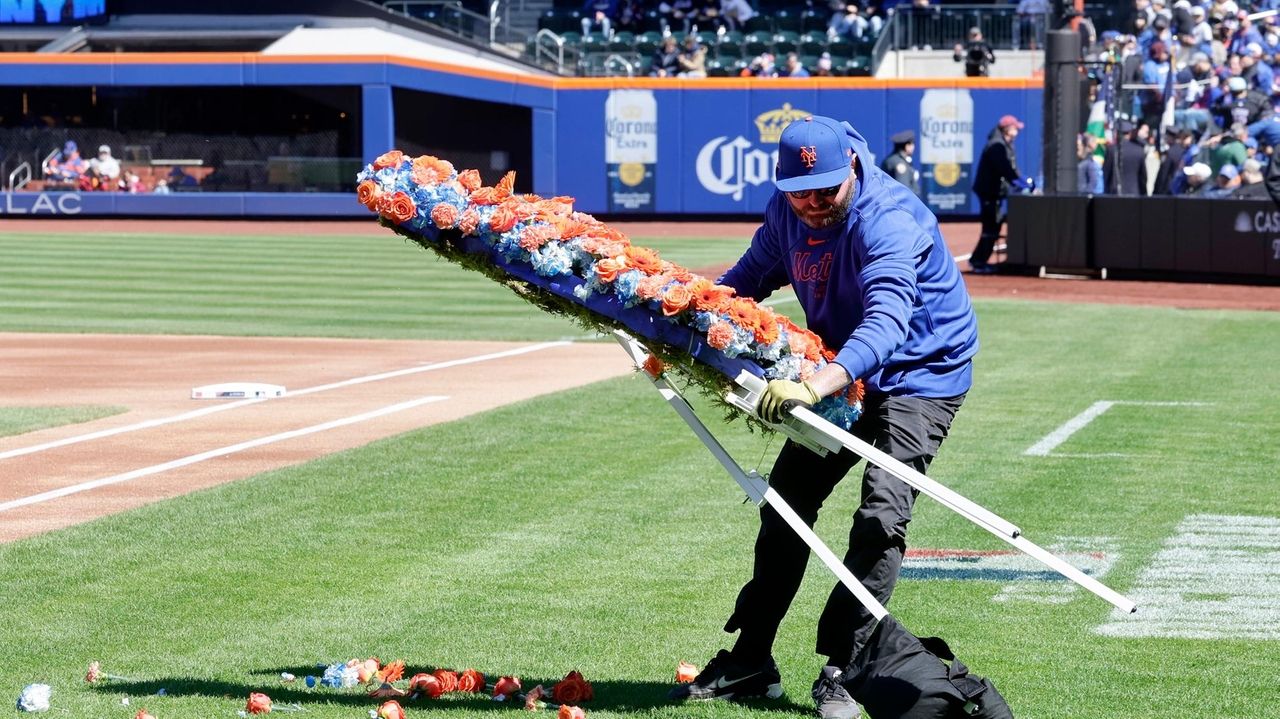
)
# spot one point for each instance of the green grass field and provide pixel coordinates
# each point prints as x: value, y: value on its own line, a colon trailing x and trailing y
x: 18, y: 420
x: 590, y: 530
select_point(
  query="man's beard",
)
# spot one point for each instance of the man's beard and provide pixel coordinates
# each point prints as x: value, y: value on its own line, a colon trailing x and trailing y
x: 839, y: 213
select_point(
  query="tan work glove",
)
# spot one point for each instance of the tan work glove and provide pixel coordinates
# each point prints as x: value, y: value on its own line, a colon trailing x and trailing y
x: 781, y: 391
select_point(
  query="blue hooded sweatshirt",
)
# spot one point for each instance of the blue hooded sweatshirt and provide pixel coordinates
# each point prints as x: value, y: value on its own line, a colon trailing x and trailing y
x: 882, y: 286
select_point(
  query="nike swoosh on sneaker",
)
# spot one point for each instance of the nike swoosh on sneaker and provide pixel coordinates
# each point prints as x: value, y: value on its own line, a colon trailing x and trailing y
x: 726, y: 682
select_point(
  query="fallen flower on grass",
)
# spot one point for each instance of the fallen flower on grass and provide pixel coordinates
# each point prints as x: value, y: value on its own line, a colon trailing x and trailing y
x: 95, y: 674
x: 258, y: 703
x: 568, y: 712
x: 392, y: 672
x: 35, y: 698
x: 685, y: 673
x: 471, y: 681
x: 572, y: 689
x: 387, y: 691
x: 143, y: 714
x: 427, y: 684
x: 448, y: 680
x: 391, y: 710
x: 505, y: 687
x: 533, y: 700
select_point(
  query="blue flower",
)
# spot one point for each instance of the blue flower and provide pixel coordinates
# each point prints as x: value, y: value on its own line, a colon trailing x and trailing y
x: 551, y: 260
x: 625, y: 287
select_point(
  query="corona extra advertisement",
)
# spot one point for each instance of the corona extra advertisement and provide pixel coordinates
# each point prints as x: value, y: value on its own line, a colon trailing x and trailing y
x: 946, y: 149
x: 729, y: 166
x: 631, y: 149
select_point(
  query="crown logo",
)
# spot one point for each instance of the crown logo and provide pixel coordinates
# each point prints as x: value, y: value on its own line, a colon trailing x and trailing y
x: 772, y: 123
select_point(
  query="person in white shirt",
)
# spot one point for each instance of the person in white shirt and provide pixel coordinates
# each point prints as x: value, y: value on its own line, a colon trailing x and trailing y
x: 106, y: 168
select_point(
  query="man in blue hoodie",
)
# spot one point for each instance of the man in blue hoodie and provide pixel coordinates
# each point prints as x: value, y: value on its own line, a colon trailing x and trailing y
x: 877, y: 283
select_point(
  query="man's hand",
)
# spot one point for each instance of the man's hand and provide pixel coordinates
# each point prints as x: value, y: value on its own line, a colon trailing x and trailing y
x: 779, y: 392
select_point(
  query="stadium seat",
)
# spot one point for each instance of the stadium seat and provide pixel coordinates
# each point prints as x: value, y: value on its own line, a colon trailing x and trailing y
x: 727, y: 48
x: 841, y: 49
x: 759, y: 23
x: 716, y: 69
x: 813, y: 20
x: 785, y: 41
x: 595, y: 42
x: 810, y: 62
x: 653, y: 21
x: 813, y: 43
x: 648, y: 43
x: 737, y: 66
x: 859, y: 66
x: 709, y: 39
x: 758, y: 42
x: 623, y: 42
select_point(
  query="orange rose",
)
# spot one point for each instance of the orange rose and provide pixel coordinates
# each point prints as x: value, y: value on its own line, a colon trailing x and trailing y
x: 448, y: 680
x: 470, y: 180
x: 368, y: 193
x: 427, y: 684
x: 391, y: 710
x: 502, y: 219
x: 719, y: 335
x: 653, y: 366
x: 94, y: 673
x: 608, y: 268
x: 506, y: 686
x: 484, y: 196
x: 143, y: 714
x: 535, y: 236
x: 399, y: 208
x: 685, y: 673
x: 650, y: 288
x: 258, y: 703
x: 568, y: 712
x: 572, y: 689
x: 391, y: 158
x: 676, y: 299
x: 444, y: 215
x: 471, y: 681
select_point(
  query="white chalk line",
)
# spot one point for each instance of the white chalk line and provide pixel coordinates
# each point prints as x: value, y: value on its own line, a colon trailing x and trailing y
x: 1050, y: 441
x: 1002, y: 247
x: 214, y: 453
x: 148, y: 424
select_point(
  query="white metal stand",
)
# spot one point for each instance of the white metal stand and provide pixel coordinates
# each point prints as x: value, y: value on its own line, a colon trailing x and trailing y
x: 812, y: 431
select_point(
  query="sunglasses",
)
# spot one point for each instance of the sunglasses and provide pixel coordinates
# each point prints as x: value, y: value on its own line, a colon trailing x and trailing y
x: 804, y: 194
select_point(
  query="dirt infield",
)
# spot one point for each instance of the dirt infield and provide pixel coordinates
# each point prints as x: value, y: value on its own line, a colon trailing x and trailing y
x: 153, y: 377
x: 343, y: 393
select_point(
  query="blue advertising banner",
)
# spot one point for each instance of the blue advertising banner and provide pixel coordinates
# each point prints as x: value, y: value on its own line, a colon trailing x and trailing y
x: 716, y: 148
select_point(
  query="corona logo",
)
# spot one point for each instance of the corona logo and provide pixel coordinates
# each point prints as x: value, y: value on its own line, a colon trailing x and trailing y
x: 726, y: 167
x: 772, y: 123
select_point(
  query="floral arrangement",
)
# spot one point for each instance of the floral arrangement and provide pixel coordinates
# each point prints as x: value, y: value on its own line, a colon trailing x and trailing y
x: 569, y: 263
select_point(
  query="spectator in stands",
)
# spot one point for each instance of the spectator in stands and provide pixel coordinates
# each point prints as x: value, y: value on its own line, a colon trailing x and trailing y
x: 1193, y: 100
x: 179, y: 180
x: 1154, y: 72
x: 162, y: 187
x: 793, y: 68
x: 823, y: 68
x: 1244, y: 34
x: 898, y: 163
x: 1167, y: 177
x: 678, y: 14
x: 1125, y: 168
x: 132, y: 183
x: 1255, y: 70
x: 1251, y: 185
x: 976, y: 54
x: 1201, y: 32
x: 1029, y: 27
x: 847, y: 22
x: 1248, y: 107
x: 1228, y: 180
x: 599, y: 14
x: 761, y: 66
x: 1228, y: 148
x: 1182, y: 22
x: 736, y: 13
x: 1222, y: 10
x: 66, y: 167
x: 1197, y: 183
x: 693, y: 58
x: 1088, y: 171
x: 666, y: 59
x: 105, y: 170
x: 997, y: 171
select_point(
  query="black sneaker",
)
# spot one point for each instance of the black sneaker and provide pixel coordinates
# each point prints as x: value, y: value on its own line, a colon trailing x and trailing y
x: 983, y: 269
x: 832, y: 699
x: 727, y: 678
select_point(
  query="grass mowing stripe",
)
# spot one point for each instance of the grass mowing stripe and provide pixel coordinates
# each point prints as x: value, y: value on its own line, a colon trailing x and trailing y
x: 20, y: 420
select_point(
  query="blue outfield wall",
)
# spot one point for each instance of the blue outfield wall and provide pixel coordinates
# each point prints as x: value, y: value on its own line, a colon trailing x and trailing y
x: 624, y: 146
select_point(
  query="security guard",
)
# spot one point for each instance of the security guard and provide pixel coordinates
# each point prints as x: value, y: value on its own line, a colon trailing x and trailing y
x: 898, y: 164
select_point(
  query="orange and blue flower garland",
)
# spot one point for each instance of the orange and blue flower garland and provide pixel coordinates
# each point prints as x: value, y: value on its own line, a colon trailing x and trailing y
x: 570, y: 258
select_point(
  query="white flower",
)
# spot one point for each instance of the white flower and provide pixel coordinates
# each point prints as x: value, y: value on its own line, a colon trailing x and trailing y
x: 35, y: 698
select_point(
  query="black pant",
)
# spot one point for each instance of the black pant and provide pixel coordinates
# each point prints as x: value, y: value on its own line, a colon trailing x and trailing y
x: 989, y: 212
x: 909, y: 429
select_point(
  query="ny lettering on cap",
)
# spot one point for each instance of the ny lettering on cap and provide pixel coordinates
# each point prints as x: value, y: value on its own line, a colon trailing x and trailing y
x: 813, y: 154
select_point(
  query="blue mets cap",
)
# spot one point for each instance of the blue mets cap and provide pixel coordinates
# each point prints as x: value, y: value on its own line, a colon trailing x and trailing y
x: 813, y: 153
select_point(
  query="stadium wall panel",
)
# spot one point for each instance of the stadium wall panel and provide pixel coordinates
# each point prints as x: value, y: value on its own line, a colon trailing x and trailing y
x: 679, y: 146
